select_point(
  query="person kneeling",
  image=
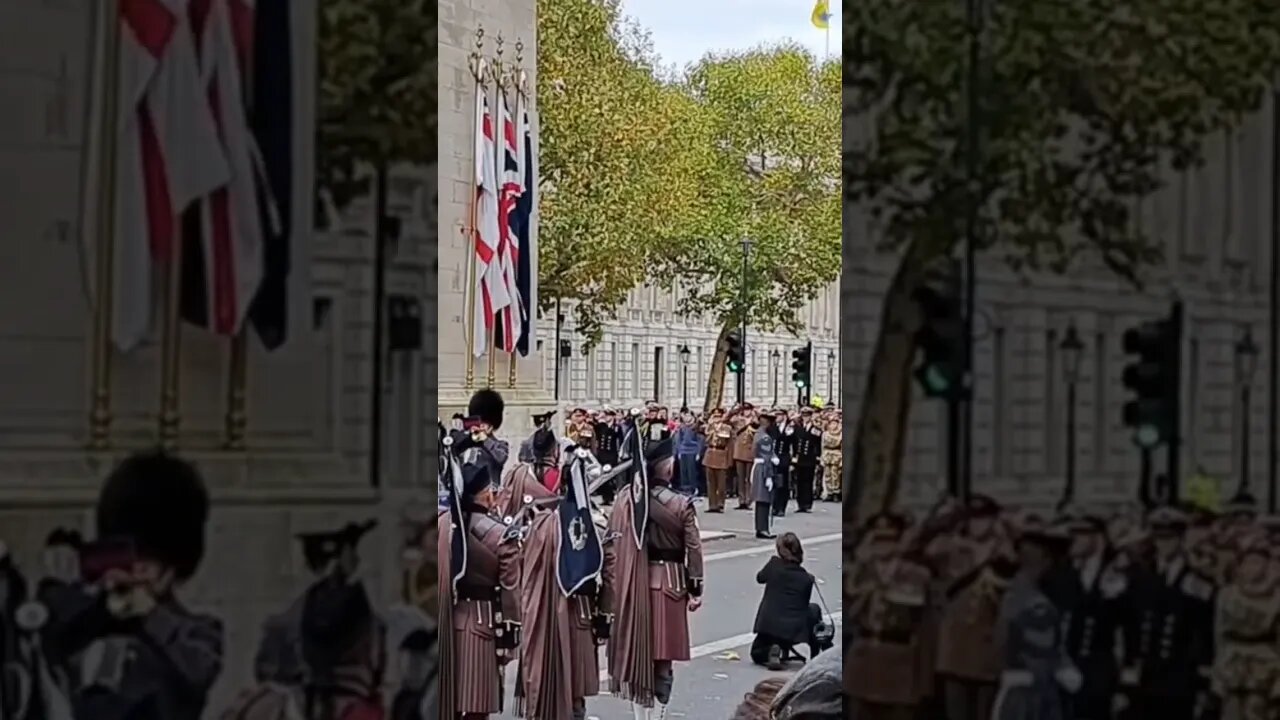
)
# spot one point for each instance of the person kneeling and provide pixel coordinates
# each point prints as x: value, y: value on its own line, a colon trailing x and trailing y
x: 786, y: 617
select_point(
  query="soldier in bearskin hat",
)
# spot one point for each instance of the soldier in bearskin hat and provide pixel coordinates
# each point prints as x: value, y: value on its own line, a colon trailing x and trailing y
x: 134, y: 651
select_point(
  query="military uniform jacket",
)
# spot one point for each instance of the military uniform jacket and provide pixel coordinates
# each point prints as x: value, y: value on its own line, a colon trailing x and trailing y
x: 807, y: 447
x: 605, y: 445
x: 1093, y: 599
x: 743, y: 441
x: 719, y: 452
x: 783, y: 439
x: 491, y: 585
x: 1170, y: 635
x: 674, y: 541
x: 888, y: 603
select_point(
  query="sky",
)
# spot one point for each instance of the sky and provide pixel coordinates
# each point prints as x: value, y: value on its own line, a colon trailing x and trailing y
x: 684, y: 30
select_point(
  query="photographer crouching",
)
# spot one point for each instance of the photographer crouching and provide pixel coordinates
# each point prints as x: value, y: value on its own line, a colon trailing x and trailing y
x: 787, y: 617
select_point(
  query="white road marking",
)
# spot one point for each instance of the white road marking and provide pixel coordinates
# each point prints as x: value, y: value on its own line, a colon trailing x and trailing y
x: 719, y: 646
x: 767, y: 549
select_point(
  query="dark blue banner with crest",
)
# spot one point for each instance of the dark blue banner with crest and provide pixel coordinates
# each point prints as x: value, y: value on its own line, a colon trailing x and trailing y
x: 581, y: 552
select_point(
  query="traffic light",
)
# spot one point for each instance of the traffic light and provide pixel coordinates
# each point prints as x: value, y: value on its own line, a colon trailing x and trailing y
x: 1153, y: 377
x: 802, y: 366
x: 735, y: 358
x: 941, y: 339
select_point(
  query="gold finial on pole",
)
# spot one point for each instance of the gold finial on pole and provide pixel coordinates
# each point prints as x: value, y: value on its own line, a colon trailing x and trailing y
x: 477, y: 65
x: 498, y: 65
x: 521, y: 77
x: 104, y: 242
x: 238, y: 381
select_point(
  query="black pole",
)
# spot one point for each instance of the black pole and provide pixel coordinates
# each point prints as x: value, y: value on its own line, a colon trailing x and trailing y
x: 684, y: 403
x: 379, y: 331
x: 954, y: 487
x: 1246, y: 429
x: 1146, y: 494
x: 742, y: 374
x: 776, y: 366
x: 831, y: 367
x: 974, y: 11
x: 1069, y: 491
x: 559, y: 359
x: 1174, y: 476
x: 1273, y: 332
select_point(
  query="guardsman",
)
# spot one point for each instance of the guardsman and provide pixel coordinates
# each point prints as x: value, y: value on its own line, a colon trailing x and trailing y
x: 889, y: 598
x: 744, y: 429
x: 479, y: 565
x: 784, y: 437
x: 565, y: 602
x: 764, y: 477
x: 717, y: 460
x: 975, y: 566
x: 1169, y: 645
x: 114, y: 621
x: 658, y: 581
x: 1094, y: 607
x: 807, y: 447
x: 1246, y: 669
x: 607, y: 443
x: 832, y: 461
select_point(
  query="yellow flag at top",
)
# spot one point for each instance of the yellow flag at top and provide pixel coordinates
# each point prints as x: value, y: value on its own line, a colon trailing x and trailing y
x: 821, y: 15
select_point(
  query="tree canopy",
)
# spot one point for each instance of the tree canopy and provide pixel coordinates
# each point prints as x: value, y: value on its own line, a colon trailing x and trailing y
x: 654, y: 176
x: 377, y: 90
x: 1083, y: 107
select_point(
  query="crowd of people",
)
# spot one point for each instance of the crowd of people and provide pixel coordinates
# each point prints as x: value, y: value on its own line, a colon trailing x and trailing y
x: 719, y: 454
x: 979, y: 611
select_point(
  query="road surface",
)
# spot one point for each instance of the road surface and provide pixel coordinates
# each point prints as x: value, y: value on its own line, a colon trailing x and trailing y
x: 712, y: 684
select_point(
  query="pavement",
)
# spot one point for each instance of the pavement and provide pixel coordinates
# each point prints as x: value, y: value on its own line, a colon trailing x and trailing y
x: 712, y: 684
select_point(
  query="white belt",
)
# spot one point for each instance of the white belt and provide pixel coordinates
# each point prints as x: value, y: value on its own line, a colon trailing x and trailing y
x: 1017, y: 678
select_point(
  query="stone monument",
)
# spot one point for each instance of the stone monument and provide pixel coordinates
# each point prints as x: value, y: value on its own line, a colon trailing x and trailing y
x: 508, y: 26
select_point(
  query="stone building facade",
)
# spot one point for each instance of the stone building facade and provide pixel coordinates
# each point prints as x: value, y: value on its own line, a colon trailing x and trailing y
x: 638, y: 357
x: 1213, y: 224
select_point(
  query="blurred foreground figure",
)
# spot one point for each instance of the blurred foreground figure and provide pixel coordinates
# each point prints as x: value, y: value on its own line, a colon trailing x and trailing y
x: 115, y: 627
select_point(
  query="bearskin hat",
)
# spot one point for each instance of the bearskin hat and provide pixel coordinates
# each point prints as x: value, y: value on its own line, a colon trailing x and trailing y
x: 489, y: 406
x: 159, y: 503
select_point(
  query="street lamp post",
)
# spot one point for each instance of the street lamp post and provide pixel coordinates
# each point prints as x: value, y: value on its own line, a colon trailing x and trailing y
x: 777, y: 365
x: 1246, y: 366
x: 684, y: 370
x: 831, y: 375
x: 1072, y: 353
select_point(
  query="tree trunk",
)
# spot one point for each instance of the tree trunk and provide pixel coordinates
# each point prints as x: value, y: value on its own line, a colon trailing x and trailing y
x: 715, y: 379
x: 880, y: 438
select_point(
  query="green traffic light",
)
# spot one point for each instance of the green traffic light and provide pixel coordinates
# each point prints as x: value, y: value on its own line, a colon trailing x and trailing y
x: 734, y: 367
x: 935, y: 380
x: 1146, y: 436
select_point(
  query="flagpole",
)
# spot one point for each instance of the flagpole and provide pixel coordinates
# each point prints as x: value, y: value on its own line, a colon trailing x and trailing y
x: 500, y: 82
x: 100, y: 415
x: 237, y: 385
x: 171, y: 348
x: 469, y: 232
x: 518, y: 84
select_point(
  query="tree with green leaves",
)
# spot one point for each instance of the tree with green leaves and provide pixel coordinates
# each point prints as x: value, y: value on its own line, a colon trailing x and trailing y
x: 1082, y: 109
x: 377, y: 91
x: 619, y: 157
x: 772, y: 125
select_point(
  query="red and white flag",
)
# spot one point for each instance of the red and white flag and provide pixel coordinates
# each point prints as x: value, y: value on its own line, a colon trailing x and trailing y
x: 490, y: 287
x: 230, y: 229
x: 166, y: 153
x: 510, y: 320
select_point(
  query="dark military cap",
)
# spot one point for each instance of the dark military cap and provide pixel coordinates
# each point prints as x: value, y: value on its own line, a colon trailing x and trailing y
x: 160, y: 504
x: 983, y: 506
x: 489, y: 406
